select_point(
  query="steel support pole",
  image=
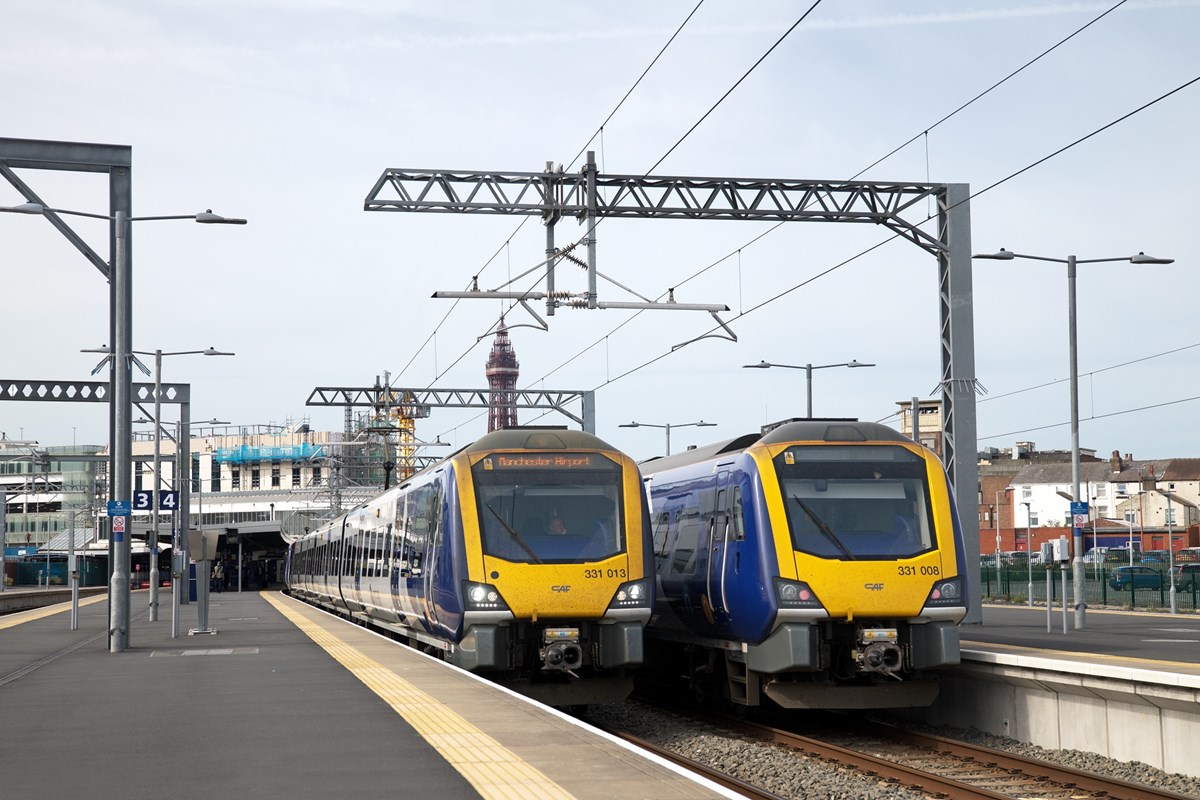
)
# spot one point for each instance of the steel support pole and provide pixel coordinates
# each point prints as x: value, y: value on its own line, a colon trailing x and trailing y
x: 154, y: 496
x: 808, y: 368
x: 121, y: 444
x: 1077, y: 571
x: 73, y: 575
x: 592, y: 219
x: 550, y: 217
x: 668, y: 427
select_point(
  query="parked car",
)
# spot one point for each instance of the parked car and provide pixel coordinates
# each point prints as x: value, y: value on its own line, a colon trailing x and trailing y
x: 1095, y: 555
x: 1188, y: 555
x: 1155, y: 556
x: 1129, y: 578
x: 1187, y: 576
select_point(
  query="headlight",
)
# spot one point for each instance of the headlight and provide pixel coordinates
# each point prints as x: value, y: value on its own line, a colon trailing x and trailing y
x: 795, y: 594
x: 483, y: 597
x: 946, y: 593
x: 634, y: 594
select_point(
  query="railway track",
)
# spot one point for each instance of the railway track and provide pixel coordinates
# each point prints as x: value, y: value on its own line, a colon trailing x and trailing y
x: 925, y: 764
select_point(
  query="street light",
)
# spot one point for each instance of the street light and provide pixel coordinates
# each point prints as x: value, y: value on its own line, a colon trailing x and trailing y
x: 158, y: 434
x: 667, y: 426
x: 1171, y: 536
x: 202, y: 572
x: 120, y: 396
x: 808, y: 369
x: 1029, y: 551
x: 1129, y: 513
x: 1077, y: 573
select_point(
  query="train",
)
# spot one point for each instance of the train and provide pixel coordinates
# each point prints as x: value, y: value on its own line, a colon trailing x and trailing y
x: 459, y: 560
x: 814, y: 564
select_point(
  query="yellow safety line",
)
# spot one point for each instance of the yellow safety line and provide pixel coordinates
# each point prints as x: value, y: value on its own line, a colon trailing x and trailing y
x: 12, y: 620
x: 494, y: 770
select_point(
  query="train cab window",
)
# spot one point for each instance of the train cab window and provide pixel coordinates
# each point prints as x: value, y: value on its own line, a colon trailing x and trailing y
x: 862, y: 502
x: 552, y: 508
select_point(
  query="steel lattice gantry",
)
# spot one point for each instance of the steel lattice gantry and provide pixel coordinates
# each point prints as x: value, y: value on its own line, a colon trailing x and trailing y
x: 590, y: 195
x: 375, y: 397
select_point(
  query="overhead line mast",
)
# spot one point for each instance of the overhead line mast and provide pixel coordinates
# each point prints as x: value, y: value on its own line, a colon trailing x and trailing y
x: 590, y: 196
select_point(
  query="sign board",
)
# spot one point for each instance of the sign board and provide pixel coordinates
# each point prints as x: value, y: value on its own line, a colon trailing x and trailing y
x: 118, y: 524
x: 118, y: 508
x: 168, y: 501
x: 144, y: 501
x: 1078, y: 509
x: 1081, y: 520
x: 202, y: 545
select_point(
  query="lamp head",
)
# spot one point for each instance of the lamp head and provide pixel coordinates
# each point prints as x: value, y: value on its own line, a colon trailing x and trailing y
x: 1142, y: 258
x: 759, y: 365
x: 629, y: 425
x: 25, y: 208
x: 212, y: 351
x: 1003, y: 255
x: 854, y: 363
x: 207, y: 217
x: 703, y: 424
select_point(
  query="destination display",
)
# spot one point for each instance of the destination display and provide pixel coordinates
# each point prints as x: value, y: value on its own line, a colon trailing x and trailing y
x: 548, y: 461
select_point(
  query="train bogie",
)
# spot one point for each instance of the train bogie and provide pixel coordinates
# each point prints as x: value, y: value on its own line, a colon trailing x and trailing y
x: 817, y: 565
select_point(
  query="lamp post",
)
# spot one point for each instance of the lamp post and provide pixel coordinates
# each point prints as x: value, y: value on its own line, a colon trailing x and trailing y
x: 1005, y: 492
x: 158, y: 434
x: 1171, y: 536
x: 1077, y: 572
x: 202, y: 576
x: 120, y: 396
x: 808, y: 369
x: 1029, y: 551
x: 667, y: 426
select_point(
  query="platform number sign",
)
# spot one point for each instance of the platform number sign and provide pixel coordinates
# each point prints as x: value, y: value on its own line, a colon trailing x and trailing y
x: 144, y: 501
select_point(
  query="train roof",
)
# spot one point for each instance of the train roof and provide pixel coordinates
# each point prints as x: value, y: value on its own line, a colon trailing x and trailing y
x: 794, y: 430
x: 537, y: 437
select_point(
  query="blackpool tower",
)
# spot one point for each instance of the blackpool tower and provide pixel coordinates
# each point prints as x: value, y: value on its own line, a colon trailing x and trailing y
x: 502, y: 372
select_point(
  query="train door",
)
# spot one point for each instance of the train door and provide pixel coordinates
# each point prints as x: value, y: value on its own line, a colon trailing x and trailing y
x: 433, y: 546
x: 718, y: 549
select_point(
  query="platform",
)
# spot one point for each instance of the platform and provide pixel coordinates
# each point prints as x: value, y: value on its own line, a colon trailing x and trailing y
x: 284, y: 702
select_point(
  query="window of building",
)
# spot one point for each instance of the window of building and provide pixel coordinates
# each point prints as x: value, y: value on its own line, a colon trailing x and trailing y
x: 235, y: 478
x: 275, y: 475
x: 1033, y: 519
x: 316, y: 479
x: 1121, y: 488
x: 214, y: 475
x: 295, y: 477
x: 1171, y: 516
x: 1101, y: 490
x: 1026, y: 492
x: 255, y: 479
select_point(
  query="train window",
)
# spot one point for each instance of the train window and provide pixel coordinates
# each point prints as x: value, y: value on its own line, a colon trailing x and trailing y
x: 738, y: 528
x: 683, y: 557
x: 856, y: 502
x: 518, y: 499
x: 661, y: 526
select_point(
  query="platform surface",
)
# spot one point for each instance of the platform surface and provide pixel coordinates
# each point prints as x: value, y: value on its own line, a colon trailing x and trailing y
x: 283, y: 701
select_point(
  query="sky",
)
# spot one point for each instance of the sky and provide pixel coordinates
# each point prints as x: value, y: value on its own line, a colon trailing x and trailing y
x: 286, y: 112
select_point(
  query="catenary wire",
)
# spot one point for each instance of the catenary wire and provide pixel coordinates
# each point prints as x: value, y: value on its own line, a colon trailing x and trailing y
x: 894, y: 237
x: 864, y: 252
x: 526, y: 219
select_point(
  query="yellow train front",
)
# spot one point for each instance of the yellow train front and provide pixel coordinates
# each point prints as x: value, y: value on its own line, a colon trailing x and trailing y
x: 524, y: 556
x: 818, y: 564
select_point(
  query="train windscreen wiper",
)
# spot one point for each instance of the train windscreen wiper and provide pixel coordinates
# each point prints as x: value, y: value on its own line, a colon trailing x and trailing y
x: 516, y: 537
x: 823, y: 528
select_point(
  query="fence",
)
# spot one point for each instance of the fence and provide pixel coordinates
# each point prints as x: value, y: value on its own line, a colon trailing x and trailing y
x: 1011, y: 584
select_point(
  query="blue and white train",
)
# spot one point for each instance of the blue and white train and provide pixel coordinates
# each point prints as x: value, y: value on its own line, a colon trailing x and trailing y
x: 817, y: 564
x: 461, y: 561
